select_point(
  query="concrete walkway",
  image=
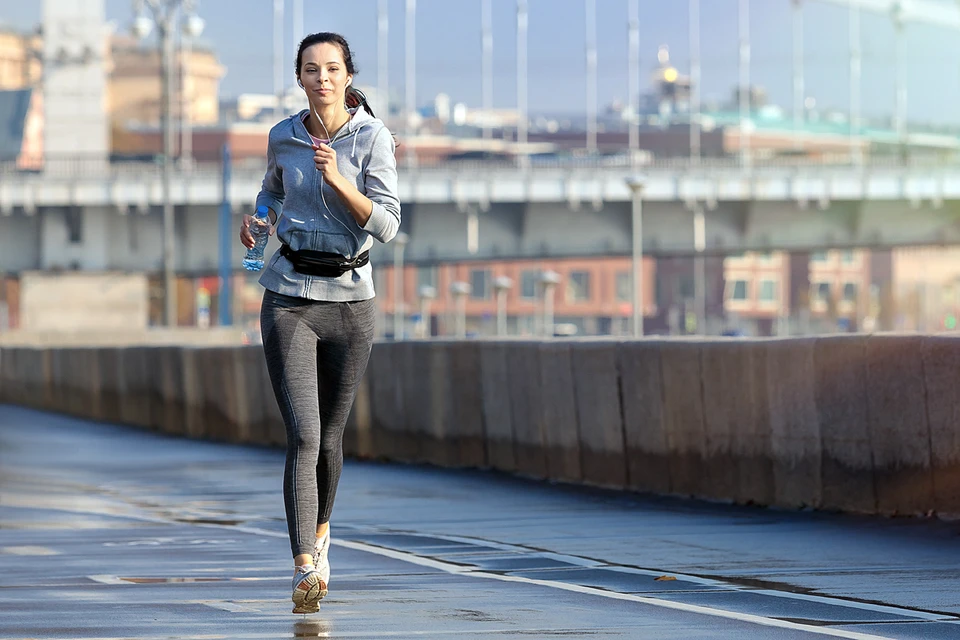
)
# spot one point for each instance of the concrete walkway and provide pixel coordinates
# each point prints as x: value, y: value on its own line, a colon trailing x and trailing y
x: 109, y: 532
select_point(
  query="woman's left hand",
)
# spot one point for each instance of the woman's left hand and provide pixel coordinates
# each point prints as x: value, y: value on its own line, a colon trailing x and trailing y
x: 326, y: 160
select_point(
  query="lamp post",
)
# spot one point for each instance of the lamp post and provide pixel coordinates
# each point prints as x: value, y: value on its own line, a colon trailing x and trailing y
x: 636, y: 290
x: 522, y: 28
x: 700, y: 272
x: 549, y: 281
x: 192, y: 28
x: 502, y: 285
x: 427, y: 294
x: 460, y: 291
x: 399, y: 244
x: 633, y: 79
x: 164, y: 17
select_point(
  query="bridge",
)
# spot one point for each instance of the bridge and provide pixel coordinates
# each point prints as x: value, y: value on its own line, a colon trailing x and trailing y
x: 488, y: 210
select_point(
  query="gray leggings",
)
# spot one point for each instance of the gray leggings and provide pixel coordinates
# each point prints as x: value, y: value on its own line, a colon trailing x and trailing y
x: 316, y: 354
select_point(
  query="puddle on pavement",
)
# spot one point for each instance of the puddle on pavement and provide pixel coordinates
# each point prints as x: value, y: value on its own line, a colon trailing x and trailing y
x: 168, y: 580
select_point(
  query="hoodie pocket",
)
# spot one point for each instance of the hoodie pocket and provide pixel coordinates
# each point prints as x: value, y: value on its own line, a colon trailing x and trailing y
x: 330, y: 242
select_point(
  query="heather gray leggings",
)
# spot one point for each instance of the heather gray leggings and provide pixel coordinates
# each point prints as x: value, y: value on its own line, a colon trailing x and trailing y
x: 316, y: 354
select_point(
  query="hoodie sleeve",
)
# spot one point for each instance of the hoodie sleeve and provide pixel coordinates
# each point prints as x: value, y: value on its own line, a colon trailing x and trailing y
x: 380, y: 180
x: 271, y: 191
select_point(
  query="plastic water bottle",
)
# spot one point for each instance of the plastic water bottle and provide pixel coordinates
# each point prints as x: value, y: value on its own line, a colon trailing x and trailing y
x: 260, y: 229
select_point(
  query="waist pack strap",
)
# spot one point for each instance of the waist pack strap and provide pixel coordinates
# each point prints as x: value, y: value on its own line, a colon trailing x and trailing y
x: 321, y: 263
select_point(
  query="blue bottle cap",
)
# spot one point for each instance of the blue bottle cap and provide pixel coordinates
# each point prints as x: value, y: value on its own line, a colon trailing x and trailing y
x: 263, y: 211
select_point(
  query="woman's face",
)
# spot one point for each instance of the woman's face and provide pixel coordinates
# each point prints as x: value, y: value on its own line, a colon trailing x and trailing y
x: 323, y: 74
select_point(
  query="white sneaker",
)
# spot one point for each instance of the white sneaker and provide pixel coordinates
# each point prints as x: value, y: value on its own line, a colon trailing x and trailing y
x: 320, y: 560
x: 308, y: 590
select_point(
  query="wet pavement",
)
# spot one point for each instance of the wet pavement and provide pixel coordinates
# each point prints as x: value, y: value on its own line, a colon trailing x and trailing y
x: 109, y: 532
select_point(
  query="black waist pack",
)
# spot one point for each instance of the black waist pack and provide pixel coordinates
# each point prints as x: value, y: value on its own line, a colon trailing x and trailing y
x: 321, y: 263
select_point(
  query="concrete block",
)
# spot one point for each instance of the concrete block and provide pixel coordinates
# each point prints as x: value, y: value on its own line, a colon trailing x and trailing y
x: 7, y: 362
x: 683, y: 416
x: 248, y: 399
x: 255, y: 394
x: 597, y: 385
x: 58, y: 369
x: 429, y: 411
x: 753, y: 436
x: 795, y: 443
x: 221, y: 396
x: 841, y: 398
x: 495, y: 386
x: 271, y: 428
x: 725, y: 408
x: 193, y: 391
x: 441, y: 391
x: 391, y: 440
x: 561, y: 424
x: 645, y: 435
x: 169, y: 392
x: 88, y: 382
x: 112, y: 384
x: 899, y: 431
x: 358, y: 436
x: 134, y: 403
x: 466, y: 404
x: 526, y: 401
x: 941, y: 362
x: 153, y: 392
x: 413, y: 370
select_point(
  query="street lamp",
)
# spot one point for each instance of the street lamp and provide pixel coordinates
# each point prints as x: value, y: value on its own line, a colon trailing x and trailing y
x: 164, y: 16
x: 460, y: 291
x: 399, y: 243
x: 502, y: 285
x: 636, y: 294
x: 549, y: 281
x: 427, y: 294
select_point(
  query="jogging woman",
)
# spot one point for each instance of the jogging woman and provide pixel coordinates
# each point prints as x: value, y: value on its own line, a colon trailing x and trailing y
x: 331, y: 188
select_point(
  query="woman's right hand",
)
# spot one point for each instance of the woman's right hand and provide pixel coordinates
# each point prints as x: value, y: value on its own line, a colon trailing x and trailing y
x: 246, y: 238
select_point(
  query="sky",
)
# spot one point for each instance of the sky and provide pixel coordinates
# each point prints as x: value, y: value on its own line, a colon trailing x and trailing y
x: 448, y: 50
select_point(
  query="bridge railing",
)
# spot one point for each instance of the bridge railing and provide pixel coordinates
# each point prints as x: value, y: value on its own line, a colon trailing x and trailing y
x: 86, y: 167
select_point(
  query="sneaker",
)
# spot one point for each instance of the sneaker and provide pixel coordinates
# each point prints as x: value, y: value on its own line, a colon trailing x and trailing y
x: 320, y: 560
x: 308, y: 590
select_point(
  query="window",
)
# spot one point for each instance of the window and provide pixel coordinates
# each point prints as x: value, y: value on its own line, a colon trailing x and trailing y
x: 818, y: 256
x: 768, y: 291
x: 426, y: 277
x: 850, y: 292
x: 821, y: 291
x: 740, y: 290
x: 578, y: 286
x: 766, y: 256
x: 528, y: 284
x: 479, y: 284
x: 848, y: 257
x: 624, y: 286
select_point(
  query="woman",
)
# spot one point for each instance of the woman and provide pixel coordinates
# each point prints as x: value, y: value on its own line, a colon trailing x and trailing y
x: 331, y: 188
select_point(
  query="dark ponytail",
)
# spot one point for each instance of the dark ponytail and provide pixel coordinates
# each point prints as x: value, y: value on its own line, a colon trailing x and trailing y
x: 355, y: 98
x: 352, y: 96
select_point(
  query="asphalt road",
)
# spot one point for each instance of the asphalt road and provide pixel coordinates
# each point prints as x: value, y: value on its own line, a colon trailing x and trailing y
x: 109, y: 532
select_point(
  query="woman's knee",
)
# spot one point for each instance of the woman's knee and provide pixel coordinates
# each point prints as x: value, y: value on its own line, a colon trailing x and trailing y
x: 304, y: 442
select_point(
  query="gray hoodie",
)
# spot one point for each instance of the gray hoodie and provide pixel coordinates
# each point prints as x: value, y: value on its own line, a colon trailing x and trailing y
x: 310, y: 215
